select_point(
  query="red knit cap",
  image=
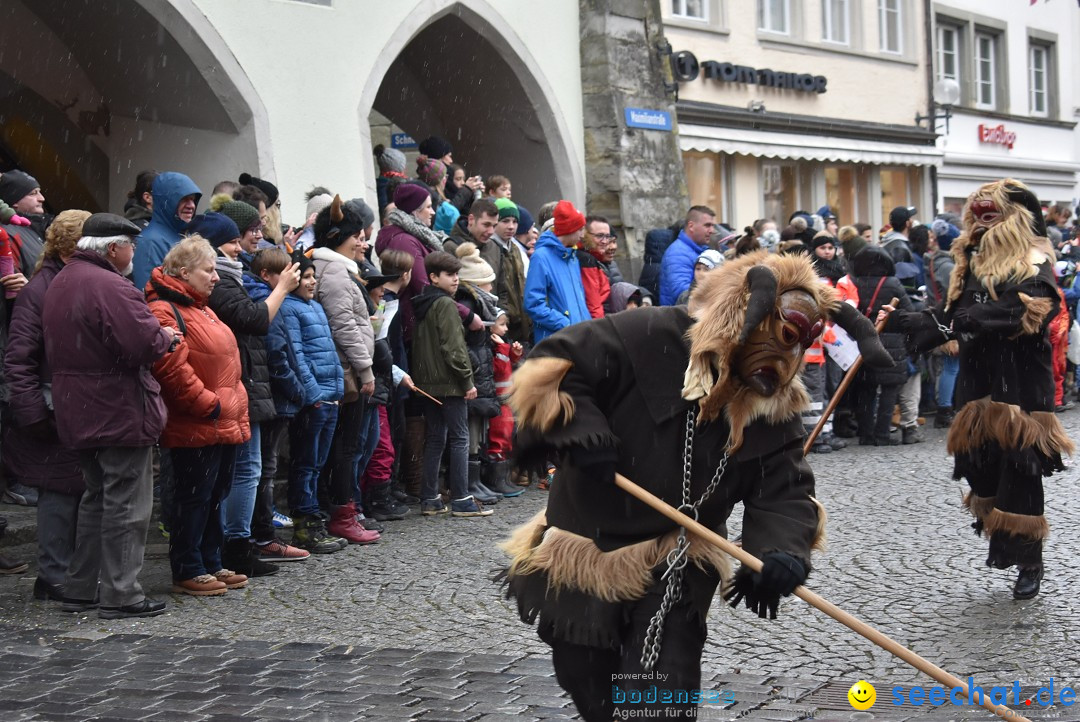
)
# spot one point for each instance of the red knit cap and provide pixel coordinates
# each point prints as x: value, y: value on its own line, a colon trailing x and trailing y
x: 567, y: 219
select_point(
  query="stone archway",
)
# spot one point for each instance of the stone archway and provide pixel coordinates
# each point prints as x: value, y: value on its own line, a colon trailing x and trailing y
x: 91, y: 94
x: 464, y: 74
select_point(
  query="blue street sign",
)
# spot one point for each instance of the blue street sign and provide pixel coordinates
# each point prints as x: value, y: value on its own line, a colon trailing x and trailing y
x: 402, y: 140
x: 649, y: 119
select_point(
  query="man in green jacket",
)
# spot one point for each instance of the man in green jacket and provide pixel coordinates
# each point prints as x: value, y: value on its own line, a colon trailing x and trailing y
x: 440, y: 366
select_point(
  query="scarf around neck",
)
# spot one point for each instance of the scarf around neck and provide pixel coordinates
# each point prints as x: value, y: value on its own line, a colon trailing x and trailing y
x: 408, y: 223
x: 230, y: 268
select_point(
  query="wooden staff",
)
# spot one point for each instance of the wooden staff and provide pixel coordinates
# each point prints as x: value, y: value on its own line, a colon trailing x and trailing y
x: 749, y: 560
x: 419, y: 390
x: 844, y: 383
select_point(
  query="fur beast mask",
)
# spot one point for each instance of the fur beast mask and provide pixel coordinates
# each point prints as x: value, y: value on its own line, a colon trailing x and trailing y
x: 755, y: 317
x: 1004, y: 238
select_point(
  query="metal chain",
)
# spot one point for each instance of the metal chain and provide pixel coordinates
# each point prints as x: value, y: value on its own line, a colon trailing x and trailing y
x: 677, y: 557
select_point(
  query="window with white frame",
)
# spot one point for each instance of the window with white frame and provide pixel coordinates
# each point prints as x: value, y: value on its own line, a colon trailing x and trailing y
x: 775, y: 16
x: 1038, y: 80
x: 690, y: 9
x: 836, y: 21
x: 890, y: 26
x: 985, y: 71
x: 948, y: 52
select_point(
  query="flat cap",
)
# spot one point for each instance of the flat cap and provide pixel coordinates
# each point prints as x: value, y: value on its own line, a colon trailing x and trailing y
x: 105, y: 225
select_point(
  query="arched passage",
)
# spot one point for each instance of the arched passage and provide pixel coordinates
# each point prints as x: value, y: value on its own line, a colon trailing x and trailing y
x: 90, y: 94
x: 466, y: 76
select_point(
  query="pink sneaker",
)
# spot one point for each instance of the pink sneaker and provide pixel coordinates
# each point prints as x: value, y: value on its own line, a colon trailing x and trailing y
x: 277, y: 551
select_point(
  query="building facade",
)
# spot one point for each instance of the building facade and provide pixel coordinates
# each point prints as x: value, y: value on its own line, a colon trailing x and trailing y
x: 789, y: 105
x: 1014, y: 65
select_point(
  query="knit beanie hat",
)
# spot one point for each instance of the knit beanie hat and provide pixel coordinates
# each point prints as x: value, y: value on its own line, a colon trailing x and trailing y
x: 271, y: 191
x: 822, y: 238
x: 525, y: 220
x: 474, y: 269
x: 242, y: 214
x: 317, y: 203
x: 435, y: 147
x: 507, y: 208
x: 710, y: 258
x: 337, y: 222
x: 431, y: 170
x: 390, y: 160
x: 367, y: 216
x: 567, y: 219
x: 945, y: 233
x: 409, y: 196
x: 217, y: 228
x: 16, y: 185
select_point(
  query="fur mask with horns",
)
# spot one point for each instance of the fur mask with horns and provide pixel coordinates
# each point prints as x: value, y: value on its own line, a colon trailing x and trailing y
x: 1004, y: 238
x: 755, y: 317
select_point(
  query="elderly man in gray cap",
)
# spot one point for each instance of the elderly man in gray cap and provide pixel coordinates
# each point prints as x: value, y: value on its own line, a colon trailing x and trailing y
x: 100, y: 340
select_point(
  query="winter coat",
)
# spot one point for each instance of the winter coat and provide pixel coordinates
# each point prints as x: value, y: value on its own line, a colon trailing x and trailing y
x: 511, y: 289
x: 398, y: 239
x: 481, y: 355
x: 897, y: 246
x: 346, y: 308
x: 285, y: 384
x: 554, y: 296
x: 677, y: 268
x: 383, y: 366
x: 201, y: 380
x: 31, y: 459
x: 249, y: 321
x: 656, y: 244
x: 303, y: 350
x: 165, y: 227
x: 137, y: 213
x: 939, y: 265
x: 100, y: 339
x: 440, y: 359
x: 26, y: 246
x: 873, y: 268
x: 595, y: 282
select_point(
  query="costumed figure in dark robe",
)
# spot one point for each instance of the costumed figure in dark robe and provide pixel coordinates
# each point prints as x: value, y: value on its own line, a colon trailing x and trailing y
x: 701, y: 406
x: 1005, y: 437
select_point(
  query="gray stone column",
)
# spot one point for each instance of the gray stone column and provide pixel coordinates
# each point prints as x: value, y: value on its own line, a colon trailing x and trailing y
x: 633, y: 176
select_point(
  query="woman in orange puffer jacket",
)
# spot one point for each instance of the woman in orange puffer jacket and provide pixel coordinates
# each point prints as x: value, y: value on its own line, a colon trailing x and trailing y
x: 208, y: 415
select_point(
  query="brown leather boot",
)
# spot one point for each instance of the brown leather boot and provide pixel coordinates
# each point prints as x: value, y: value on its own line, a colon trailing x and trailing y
x: 412, y: 460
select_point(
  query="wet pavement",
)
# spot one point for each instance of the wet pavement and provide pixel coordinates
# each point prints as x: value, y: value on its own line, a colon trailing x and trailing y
x: 412, y: 628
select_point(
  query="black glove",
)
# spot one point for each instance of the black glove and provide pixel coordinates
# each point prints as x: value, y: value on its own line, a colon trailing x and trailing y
x: 780, y: 574
x: 216, y: 412
x: 962, y: 322
x: 597, y: 463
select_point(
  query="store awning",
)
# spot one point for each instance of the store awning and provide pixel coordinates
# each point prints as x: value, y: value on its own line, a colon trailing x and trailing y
x: 795, y: 146
x: 1051, y: 181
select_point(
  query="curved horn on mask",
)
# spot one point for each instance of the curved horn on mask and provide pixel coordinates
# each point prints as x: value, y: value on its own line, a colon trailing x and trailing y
x: 761, y: 282
x: 336, y: 216
x: 859, y: 328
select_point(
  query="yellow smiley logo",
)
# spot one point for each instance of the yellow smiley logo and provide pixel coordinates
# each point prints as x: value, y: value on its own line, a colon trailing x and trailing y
x: 862, y: 695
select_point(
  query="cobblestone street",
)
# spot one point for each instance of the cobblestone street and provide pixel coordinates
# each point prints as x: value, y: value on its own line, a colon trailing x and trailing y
x: 413, y: 628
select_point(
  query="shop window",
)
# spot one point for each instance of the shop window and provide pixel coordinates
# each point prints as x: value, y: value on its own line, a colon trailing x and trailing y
x: 774, y: 16
x: 707, y: 179
x: 836, y: 21
x: 986, y: 71
x: 948, y: 52
x: 900, y: 187
x: 690, y: 9
x: 1038, y: 80
x: 845, y: 193
x: 890, y: 26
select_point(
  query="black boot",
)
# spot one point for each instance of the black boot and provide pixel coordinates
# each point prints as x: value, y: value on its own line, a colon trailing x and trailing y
x: 944, y: 417
x: 500, y: 479
x: 239, y: 555
x: 397, y: 492
x: 480, y: 492
x: 1027, y: 583
x: 382, y: 506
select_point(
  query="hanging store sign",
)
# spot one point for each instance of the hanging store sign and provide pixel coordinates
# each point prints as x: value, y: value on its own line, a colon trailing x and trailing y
x: 686, y: 68
x: 997, y: 136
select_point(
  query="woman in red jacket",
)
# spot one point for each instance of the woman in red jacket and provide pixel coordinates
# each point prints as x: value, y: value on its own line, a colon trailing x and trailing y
x: 208, y: 416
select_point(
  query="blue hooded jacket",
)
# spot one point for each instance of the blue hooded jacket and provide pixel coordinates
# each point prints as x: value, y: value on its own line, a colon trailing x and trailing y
x: 677, y: 268
x: 163, y: 231
x: 554, y: 295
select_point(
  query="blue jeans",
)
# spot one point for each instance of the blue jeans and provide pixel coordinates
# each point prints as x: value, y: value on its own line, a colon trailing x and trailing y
x: 448, y: 423
x: 237, y: 507
x: 947, y: 381
x: 310, y: 434
x: 202, y: 476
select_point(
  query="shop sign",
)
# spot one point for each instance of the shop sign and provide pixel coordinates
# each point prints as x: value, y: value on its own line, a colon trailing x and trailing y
x: 997, y: 136
x: 402, y: 140
x: 686, y: 67
x: 648, y: 119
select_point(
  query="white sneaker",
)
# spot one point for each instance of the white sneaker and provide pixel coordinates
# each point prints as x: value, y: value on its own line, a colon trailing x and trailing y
x: 281, y: 521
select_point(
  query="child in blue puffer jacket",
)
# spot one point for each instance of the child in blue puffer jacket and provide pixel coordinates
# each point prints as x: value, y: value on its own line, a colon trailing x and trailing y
x: 308, y: 382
